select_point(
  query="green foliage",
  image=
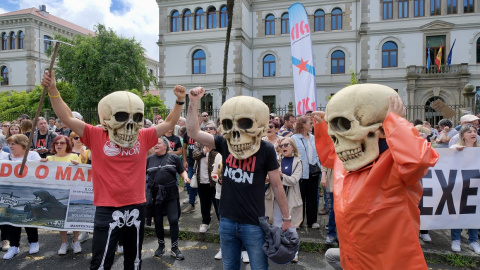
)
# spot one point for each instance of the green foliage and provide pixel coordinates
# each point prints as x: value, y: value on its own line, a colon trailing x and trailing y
x: 460, y: 260
x: 100, y: 65
x: 353, y: 78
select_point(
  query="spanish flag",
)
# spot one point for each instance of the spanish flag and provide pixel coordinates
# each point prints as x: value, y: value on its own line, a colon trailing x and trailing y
x: 438, y: 60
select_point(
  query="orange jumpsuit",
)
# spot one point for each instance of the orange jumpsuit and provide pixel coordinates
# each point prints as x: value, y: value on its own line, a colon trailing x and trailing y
x: 376, y: 207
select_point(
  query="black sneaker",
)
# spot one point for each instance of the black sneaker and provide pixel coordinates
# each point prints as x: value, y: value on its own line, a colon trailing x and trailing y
x: 175, y: 252
x: 160, y: 250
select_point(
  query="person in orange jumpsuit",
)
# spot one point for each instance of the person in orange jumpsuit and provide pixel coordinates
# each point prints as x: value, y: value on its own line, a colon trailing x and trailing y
x: 376, y: 206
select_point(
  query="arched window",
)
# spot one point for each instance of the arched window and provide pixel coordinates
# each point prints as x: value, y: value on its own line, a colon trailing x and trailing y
x: 12, y: 41
x: 212, y: 18
x: 269, y: 66
x: 389, y: 54
x: 432, y: 115
x: 175, y: 21
x: 46, y: 43
x: 337, y: 19
x: 21, y: 36
x: 478, y: 50
x: 285, y: 24
x: 199, y: 19
x: 4, y: 41
x: 270, y: 25
x: 199, y: 61
x: 223, y: 16
x: 4, y: 75
x: 338, y: 62
x: 319, y: 20
x: 187, y: 20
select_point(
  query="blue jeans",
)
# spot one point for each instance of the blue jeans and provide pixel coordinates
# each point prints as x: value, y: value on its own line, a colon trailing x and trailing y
x: 192, y: 192
x: 331, y: 218
x: 233, y: 235
x: 472, y: 234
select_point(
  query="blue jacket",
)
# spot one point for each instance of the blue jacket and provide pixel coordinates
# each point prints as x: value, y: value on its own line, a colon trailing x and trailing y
x: 302, y: 146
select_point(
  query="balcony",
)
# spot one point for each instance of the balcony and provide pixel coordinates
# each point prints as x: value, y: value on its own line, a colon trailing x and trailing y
x: 452, y: 70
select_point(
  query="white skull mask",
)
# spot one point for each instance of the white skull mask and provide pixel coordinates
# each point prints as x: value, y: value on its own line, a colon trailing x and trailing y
x: 355, y: 117
x: 121, y: 113
x: 244, y: 122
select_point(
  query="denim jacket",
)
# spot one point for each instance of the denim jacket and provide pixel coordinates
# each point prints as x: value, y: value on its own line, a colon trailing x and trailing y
x: 302, y: 146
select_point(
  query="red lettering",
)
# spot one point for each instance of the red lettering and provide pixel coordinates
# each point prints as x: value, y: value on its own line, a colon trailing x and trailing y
x: 41, y: 172
x: 5, y: 170
x: 79, y: 175
x: 89, y: 175
x: 253, y: 163
x: 246, y: 164
x: 229, y: 160
x: 301, y: 28
x: 307, y: 28
x: 296, y: 30
x: 61, y: 175
x: 234, y: 163
x: 292, y: 32
x: 16, y: 171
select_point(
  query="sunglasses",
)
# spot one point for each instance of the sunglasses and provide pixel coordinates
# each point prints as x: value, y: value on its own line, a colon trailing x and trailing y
x: 205, y: 115
x: 5, y: 125
x: 285, y: 145
x: 271, y: 126
x: 59, y: 143
x: 76, y: 138
x: 209, y: 128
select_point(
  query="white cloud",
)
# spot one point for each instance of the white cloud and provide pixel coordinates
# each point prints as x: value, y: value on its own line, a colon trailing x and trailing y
x: 139, y: 21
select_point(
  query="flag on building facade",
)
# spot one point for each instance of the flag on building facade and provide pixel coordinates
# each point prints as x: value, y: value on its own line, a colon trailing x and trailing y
x: 438, y: 60
x: 302, y: 60
x: 449, y: 59
x: 429, y: 60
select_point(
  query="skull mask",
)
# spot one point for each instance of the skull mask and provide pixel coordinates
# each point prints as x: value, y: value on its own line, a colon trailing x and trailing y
x: 121, y: 113
x: 244, y: 122
x: 355, y: 116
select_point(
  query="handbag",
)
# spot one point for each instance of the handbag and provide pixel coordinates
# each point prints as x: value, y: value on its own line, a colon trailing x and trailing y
x: 194, y: 181
x: 314, y: 170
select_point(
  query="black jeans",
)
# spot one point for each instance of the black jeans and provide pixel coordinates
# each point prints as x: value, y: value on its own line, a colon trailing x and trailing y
x: 206, y: 193
x: 172, y: 209
x: 13, y: 234
x: 309, y: 192
x: 129, y: 227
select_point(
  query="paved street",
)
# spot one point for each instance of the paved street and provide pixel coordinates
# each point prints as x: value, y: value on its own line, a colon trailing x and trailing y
x: 198, y: 255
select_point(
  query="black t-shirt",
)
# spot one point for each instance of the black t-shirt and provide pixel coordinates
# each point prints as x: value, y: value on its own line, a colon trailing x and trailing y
x: 243, y: 182
x: 190, y: 146
x: 166, y: 175
x: 175, y: 142
x: 42, y: 142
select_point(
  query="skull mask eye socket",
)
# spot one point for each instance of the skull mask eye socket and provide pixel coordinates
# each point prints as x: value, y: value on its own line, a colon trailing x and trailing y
x: 245, y: 123
x: 340, y: 124
x: 138, y: 117
x: 227, y: 124
x: 121, y: 116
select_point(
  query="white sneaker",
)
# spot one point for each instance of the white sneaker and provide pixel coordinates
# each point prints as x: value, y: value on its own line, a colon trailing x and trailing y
x: 5, y: 245
x: 63, y: 249
x: 245, y: 258
x: 69, y: 232
x: 426, y: 237
x: 315, y: 226
x: 204, y: 228
x: 83, y: 237
x: 475, y: 247
x: 295, y: 259
x: 456, y: 245
x: 77, y: 248
x: 120, y: 249
x: 218, y: 256
x: 186, y: 201
x: 12, y: 251
x: 34, y: 247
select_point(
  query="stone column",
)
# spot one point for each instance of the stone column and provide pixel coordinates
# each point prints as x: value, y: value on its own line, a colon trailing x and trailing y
x: 469, y: 97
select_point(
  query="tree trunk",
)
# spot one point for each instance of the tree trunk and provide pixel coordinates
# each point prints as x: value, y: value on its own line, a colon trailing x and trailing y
x: 230, y: 4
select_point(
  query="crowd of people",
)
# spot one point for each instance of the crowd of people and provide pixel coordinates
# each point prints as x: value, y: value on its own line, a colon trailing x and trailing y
x: 175, y: 157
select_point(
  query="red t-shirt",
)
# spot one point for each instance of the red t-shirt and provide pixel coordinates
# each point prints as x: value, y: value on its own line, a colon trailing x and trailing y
x: 118, y: 173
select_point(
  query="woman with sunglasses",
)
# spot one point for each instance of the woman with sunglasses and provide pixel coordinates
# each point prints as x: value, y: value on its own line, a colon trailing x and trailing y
x: 62, y: 152
x: 5, y: 126
x: 79, y: 148
x: 272, y: 137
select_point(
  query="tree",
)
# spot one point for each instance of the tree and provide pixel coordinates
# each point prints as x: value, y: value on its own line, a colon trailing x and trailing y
x: 99, y: 65
x: 224, y: 89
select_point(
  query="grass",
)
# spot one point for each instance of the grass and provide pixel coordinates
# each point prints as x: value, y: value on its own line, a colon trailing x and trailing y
x: 460, y: 260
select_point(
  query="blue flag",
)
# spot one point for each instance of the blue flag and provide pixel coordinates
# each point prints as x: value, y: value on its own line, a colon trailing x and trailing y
x: 449, y: 60
x: 429, y: 61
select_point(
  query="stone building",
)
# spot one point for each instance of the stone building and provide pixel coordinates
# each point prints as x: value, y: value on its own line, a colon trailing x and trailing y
x: 380, y: 41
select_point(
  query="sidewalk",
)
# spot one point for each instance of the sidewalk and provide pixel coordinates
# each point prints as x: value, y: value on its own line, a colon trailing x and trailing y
x: 190, y: 223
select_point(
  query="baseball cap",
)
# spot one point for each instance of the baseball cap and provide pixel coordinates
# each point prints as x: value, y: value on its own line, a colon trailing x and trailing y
x: 468, y: 118
x: 77, y: 115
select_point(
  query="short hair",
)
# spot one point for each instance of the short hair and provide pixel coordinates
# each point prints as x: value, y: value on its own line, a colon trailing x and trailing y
x: 274, y: 123
x: 287, y: 116
x: 68, y: 144
x: 211, y: 123
x: 18, y: 139
x: 166, y: 142
x: 445, y: 123
x: 292, y: 142
x: 462, y: 132
x: 3, y: 142
x: 417, y: 122
x: 51, y: 118
x: 24, y: 116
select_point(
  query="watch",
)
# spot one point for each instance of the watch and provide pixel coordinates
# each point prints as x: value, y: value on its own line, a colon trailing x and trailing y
x: 287, y: 219
x: 179, y: 102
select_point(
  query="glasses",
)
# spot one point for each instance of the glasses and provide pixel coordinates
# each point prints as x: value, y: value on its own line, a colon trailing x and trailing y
x: 270, y: 126
x: 5, y: 125
x: 76, y: 138
x: 285, y: 145
x: 209, y: 128
x: 205, y: 115
x: 59, y: 143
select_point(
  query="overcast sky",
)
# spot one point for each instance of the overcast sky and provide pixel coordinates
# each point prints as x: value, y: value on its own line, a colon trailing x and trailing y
x: 128, y: 18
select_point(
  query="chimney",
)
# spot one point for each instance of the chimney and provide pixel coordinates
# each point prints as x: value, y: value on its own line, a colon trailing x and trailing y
x: 43, y: 10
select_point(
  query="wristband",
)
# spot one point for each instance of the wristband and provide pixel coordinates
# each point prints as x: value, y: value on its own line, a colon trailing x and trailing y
x: 179, y: 102
x: 287, y: 219
x: 54, y: 96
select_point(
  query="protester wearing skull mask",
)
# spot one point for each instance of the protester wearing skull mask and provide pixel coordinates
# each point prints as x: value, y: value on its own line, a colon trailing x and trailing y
x: 162, y: 194
x: 376, y: 181
x: 119, y: 149
x: 247, y: 160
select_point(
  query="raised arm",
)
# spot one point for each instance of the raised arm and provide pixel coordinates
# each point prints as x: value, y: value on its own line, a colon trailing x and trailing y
x: 59, y: 106
x: 174, y: 115
x: 193, y: 129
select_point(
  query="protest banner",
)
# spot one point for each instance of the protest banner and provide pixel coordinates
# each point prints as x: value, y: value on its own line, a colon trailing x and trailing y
x: 450, y: 191
x: 51, y: 195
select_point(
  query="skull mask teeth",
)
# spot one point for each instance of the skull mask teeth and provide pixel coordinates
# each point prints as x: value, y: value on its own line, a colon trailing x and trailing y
x: 356, y: 128
x: 244, y: 123
x: 121, y: 114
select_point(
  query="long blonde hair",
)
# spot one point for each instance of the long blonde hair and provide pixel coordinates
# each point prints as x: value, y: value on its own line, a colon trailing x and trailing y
x: 462, y: 132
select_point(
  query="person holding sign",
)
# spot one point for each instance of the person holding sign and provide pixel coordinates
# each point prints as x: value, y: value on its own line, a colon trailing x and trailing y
x: 467, y: 138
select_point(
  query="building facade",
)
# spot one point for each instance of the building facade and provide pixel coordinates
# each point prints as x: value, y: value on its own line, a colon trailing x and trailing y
x: 380, y: 41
